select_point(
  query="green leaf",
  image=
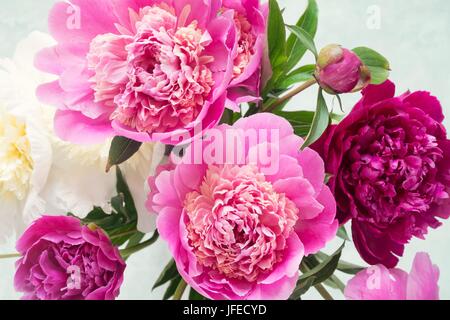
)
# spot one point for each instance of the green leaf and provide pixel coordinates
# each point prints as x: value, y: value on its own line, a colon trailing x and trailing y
x: 349, y: 268
x: 375, y: 62
x: 308, y: 22
x: 169, y: 273
x: 126, y: 253
x: 172, y: 288
x: 135, y: 239
x: 320, y: 122
x: 336, y: 118
x: 305, y: 38
x: 194, y: 295
x: 121, y: 223
x: 301, y: 74
x: 313, y: 261
x: 124, y: 190
x: 297, y: 117
x: 276, y: 36
x: 121, y: 150
x: 276, y: 33
x: 341, y: 106
x: 302, y: 287
x: 335, y: 283
x: 300, y: 120
x: 342, y: 233
x: 325, y: 269
x: 343, y: 266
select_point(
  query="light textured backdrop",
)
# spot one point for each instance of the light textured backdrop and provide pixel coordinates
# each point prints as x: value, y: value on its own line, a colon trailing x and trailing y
x: 413, y: 34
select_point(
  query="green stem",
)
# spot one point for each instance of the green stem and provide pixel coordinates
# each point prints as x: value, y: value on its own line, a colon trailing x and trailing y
x: 323, y: 292
x: 129, y: 251
x: 180, y: 290
x: 123, y: 234
x: 290, y: 95
x: 10, y: 256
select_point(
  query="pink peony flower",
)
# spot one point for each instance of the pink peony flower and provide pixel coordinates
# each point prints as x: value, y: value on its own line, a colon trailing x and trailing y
x: 340, y: 70
x: 147, y: 70
x: 250, y: 17
x: 62, y: 260
x: 238, y: 224
x: 380, y: 283
x: 390, y: 161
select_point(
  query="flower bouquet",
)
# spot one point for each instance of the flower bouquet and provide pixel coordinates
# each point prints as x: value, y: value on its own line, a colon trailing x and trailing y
x: 167, y: 121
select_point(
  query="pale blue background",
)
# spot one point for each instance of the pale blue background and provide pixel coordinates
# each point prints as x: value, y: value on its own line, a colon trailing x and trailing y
x: 414, y: 35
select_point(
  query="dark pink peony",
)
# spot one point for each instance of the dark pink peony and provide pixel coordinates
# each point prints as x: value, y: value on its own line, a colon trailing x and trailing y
x: 148, y: 70
x: 63, y: 260
x: 390, y: 161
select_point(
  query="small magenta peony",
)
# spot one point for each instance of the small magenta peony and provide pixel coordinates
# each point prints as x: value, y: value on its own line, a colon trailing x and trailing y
x: 238, y: 223
x: 380, y: 283
x: 390, y: 166
x: 63, y: 260
x: 340, y: 70
x: 147, y: 70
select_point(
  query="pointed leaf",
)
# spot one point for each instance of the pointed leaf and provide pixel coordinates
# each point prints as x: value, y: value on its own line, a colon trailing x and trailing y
x: 301, y: 74
x: 305, y: 38
x: 342, y: 233
x: 325, y: 269
x: 302, y: 287
x: 194, y: 295
x: 308, y: 22
x: 320, y: 122
x: 121, y: 150
x: 170, y: 291
x: 276, y: 34
x: 169, y: 273
x: 343, y: 266
x: 375, y: 62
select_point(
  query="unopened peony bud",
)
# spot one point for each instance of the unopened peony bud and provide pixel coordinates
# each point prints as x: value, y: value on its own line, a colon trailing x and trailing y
x: 340, y: 70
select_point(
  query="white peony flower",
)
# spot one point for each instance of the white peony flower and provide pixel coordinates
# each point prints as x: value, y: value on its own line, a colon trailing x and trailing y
x: 39, y: 173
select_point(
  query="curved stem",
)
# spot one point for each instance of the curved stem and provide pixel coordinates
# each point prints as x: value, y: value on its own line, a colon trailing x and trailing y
x: 180, y: 290
x: 290, y: 95
x: 123, y: 234
x: 129, y: 251
x: 10, y: 256
x: 323, y: 292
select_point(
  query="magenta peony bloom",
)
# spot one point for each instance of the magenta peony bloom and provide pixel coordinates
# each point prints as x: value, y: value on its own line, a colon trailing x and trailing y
x: 147, y: 70
x: 62, y: 260
x: 340, y: 70
x: 390, y: 161
x: 238, y: 224
x: 251, y: 24
x: 379, y: 283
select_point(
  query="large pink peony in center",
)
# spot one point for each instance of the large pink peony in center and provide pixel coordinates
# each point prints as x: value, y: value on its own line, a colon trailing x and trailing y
x: 148, y: 70
x: 237, y: 209
x: 238, y: 228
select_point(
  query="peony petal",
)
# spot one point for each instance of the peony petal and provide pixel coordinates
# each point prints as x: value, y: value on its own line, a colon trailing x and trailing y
x: 317, y: 232
x: 423, y: 279
x: 75, y: 127
x: 377, y: 283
